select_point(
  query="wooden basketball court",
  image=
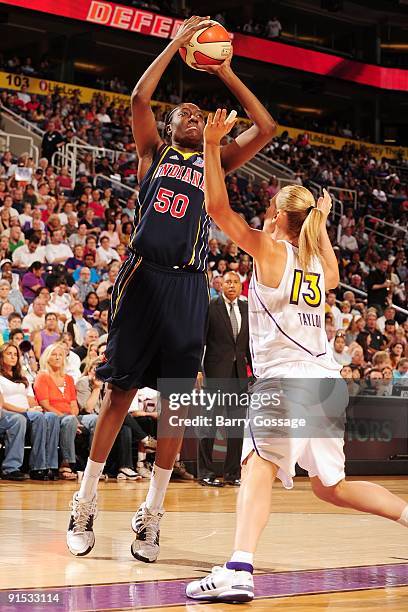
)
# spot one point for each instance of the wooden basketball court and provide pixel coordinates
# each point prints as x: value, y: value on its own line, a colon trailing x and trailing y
x: 312, y: 557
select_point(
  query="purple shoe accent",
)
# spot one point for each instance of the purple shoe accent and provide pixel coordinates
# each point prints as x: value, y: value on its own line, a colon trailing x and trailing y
x: 136, y: 595
x: 240, y: 567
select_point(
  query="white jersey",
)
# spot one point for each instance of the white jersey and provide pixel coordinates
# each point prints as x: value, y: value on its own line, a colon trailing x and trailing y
x: 287, y: 323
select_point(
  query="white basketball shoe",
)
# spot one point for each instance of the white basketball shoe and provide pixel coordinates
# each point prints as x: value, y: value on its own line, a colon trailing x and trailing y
x: 233, y: 586
x: 146, y: 526
x: 80, y: 535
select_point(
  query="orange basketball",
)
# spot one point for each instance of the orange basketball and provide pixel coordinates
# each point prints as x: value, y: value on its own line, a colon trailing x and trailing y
x: 207, y: 47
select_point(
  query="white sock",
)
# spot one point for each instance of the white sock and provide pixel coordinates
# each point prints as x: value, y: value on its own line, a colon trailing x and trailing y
x: 141, y: 457
x: 157, y: 489
x: 90, y: 479
x: 403, y: 520
x: 177, y: 458
x: 240, y: 556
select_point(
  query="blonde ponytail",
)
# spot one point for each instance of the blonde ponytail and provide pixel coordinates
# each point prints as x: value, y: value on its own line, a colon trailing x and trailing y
x: 308, y: 238
x: 304, y: 220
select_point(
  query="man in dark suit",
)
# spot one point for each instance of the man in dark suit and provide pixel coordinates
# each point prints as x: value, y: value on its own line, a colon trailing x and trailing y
x: 226, y: 357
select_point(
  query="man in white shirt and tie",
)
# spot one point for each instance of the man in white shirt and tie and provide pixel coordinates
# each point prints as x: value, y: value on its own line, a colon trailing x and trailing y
x: 226, y: 357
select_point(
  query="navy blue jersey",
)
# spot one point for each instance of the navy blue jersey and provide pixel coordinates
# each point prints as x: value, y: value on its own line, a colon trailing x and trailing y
x: 171, y: 227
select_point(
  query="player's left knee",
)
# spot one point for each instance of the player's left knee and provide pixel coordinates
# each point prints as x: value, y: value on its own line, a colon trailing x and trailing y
x: 332, y: 494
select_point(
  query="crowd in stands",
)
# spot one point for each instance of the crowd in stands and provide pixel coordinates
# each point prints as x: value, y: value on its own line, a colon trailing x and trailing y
x: 62, y: 244
x: 108, y: 124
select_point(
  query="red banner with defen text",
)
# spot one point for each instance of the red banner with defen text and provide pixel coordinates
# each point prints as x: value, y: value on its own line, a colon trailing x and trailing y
x: 136, y: 20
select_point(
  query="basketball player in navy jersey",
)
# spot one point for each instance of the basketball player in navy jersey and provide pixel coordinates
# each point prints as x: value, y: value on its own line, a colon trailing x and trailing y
x: 160, y: 298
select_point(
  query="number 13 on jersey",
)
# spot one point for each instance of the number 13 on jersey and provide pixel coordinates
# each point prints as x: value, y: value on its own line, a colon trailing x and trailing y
x: 313, y: 295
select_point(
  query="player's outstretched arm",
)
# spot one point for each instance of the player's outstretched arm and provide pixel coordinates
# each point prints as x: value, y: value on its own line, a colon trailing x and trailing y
x: 216, y: 196
x: 250, y: 142
x: 144, y: 128
x: 327, y: 254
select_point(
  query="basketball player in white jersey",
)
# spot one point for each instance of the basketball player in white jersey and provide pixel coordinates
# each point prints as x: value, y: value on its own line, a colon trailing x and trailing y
x: 294, y: 264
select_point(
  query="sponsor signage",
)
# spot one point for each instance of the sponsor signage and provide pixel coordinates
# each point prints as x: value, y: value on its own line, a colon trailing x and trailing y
x: 137, y: 20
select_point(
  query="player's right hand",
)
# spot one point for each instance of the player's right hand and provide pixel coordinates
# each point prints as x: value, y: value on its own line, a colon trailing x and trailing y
x: 324, y: 204
x: 189, y: 27
x: 219, y: 125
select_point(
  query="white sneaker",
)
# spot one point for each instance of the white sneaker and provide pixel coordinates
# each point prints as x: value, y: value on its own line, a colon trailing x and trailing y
x: 128, y: 474
x: 80, y: 535
x: 146, y: 526
x: 143, y: 470
x: 223, y: 585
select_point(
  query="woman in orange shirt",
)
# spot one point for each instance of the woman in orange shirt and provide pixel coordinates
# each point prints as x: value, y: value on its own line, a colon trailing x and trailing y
x: 55, y: 392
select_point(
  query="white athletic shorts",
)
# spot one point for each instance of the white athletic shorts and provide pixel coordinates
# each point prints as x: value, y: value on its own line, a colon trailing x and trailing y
x: 319, y: 456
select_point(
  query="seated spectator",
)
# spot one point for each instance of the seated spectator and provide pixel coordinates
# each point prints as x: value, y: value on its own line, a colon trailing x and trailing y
x: 400, y: 375
x: 27, y: 254
x: 41, y: 339
x: 55, y: 391
x: 73, y: 362
x: 6, y: 309
x: 91, y: 355
x: 13, y: 426
x: 105, y: 254
x: 348, y: 242
x: 60, y: 300
x: 357, y: 357
x: 95, y: 204
x: 57, y: 251
x: 79, y: 237
x: 373, y: 383
x: 8, y: 208
x: 122, y: 252
x: 7, y: 274
x: 13, y: 296
x: 102, y: 325
x: 111, y: 233
x: 396, y: 352
x: 370, y: 339
x: 83, y: 285
x: 340, y: 351
x: 381, y: 360
x: 389, y: 314
x: 14, y: 322
x: 91, y: 307
x: 32, y: 281
x: 352, y: 386
x: 346, y: 316
x: 143, y: 413
x: 129, y: 209
x: 63, y: 179
x: 18, y: 397
x: 102, y: 289
x: 35, y: 319
x: 216, y: 286
x: 77, y: 326
x: 89, y: 262
x: 90, y: 394
x: 91, y: 336
x: 16, y: 238
x: 76, y: 261
x: 231, y: 256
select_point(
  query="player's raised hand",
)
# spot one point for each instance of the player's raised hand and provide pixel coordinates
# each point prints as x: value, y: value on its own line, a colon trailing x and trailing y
x: 324, y: 204
x: 189, y: 27
x: 218, y: 125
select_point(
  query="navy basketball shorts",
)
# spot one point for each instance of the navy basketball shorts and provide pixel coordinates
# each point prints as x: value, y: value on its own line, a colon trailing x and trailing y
x: 157, y: 325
